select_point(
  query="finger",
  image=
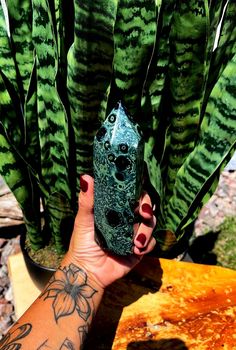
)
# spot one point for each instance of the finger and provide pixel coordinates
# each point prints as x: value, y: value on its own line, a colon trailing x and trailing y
x: 149, y: 247
x: 144, y: 233
x: 86, y: 201
x: 145, y: 208
x: 148, y: 222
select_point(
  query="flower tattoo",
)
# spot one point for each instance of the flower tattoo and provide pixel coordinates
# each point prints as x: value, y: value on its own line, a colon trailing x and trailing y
x: 11, y: 340
x: 70, y: 291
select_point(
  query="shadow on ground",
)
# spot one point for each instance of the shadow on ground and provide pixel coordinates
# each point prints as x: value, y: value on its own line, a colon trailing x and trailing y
x: 201, y: 249
x: 163, y: 344
x: 144, y: 279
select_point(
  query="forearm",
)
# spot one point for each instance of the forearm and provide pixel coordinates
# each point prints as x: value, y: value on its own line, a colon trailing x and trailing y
x: 60, y: 318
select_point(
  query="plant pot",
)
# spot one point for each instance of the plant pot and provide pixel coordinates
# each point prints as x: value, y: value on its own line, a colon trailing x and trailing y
x: 39, y: 274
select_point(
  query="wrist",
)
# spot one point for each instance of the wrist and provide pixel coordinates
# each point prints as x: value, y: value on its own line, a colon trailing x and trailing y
x: 70, y: 260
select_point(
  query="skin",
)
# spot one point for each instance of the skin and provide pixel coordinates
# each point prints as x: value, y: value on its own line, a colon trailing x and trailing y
x: 61, y: 317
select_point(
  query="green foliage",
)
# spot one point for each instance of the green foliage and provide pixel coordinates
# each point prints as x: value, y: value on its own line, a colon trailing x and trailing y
x: 217, y: 247
x: 64, y: 68
x: 90, y: 60
x: 225, y: 246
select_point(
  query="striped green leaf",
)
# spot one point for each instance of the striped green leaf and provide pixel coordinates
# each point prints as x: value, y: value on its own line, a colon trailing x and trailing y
x: 20, y: 17
x: 89, y: 74
x: 217, y: 137
x: 8, y: 66
x: 11, y: 114
x: 134, y: 39
x: 16, y: 174
x: 225, y: 49
x: 155, y: 117
x: 187, y: 78
x: 52, y: 119
x: 68, y: 63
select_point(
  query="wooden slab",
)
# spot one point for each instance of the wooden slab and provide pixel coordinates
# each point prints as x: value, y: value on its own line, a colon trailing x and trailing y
x: 24, y: 290
x: 10, y: 212
x: 162, y: 305
x: 168, y: 305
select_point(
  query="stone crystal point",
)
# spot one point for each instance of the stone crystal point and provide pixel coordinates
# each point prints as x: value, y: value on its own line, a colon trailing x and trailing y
x: 118, y: 169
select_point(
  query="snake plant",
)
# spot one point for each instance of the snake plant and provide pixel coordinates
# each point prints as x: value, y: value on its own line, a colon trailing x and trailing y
x: 66, y: 64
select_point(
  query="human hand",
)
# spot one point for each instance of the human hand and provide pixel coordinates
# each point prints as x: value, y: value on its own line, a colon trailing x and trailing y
x: 104, y: 266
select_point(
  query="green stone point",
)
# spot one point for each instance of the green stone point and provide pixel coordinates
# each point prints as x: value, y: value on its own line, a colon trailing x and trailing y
x: 118, y: 172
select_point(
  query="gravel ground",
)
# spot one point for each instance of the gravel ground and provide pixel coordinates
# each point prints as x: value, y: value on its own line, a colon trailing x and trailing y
x: 7, y: 315
x: 221, y: 205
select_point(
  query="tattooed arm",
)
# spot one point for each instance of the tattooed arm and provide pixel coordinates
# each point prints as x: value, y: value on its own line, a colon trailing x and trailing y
x: 60, y: 318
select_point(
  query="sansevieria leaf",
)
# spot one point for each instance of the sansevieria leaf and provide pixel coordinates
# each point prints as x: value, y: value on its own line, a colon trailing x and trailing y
x: 216, y: 139
x: 90, y: 61
x: 65, y: 65
x: 17, y: 178
x: 155, y: 111
x: 187, y: 78
x: 52, y: 120
x: 13, y: 120
x: 134, y: 40
x: 20, y: 18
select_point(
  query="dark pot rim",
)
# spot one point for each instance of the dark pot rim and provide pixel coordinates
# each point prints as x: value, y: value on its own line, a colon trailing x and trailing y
x: 26, y: 254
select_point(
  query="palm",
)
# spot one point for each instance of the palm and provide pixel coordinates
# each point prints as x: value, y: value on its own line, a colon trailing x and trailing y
x: 106, y: 267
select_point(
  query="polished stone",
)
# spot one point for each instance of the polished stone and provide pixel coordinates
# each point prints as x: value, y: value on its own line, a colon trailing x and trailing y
x: 118, y: 167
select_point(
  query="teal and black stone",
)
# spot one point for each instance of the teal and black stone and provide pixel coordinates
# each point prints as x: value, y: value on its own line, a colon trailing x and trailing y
x: 118, y: 170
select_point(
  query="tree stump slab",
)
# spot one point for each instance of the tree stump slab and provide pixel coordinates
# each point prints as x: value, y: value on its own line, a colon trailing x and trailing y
x: 168, y: 305
x: 10, y: 212
x: 162, y: 305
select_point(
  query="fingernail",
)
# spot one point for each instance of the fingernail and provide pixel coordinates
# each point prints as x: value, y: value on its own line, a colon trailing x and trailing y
x: 146, y: 208
x: 141, y: 238
x: 83, y: 184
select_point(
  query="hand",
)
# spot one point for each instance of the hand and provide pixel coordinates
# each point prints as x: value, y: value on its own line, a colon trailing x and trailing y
x: 105, y: 267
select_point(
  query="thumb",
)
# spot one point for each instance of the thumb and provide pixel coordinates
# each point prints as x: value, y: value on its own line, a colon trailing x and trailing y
x: 84, y: 217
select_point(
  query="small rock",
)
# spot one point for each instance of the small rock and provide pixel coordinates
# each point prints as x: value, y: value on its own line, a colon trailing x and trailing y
x: 3, y: 241
x: 4, y: 282
x: 6, y: 309
x: 5, y: 323
x: 222, y: 193
x: 213, y: 210
x: 12, y: 247
x: 3, y: 272
x: 8, y: 294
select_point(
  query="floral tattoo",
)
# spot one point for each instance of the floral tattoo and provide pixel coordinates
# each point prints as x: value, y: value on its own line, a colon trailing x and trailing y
x: 84, y: 330
x: 67, y: 344
x: 11, y: 339
x: 70, y: 291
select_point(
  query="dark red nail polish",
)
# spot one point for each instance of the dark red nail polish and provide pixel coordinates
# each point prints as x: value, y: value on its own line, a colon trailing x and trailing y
x: 141, y: 238
x: 146, y: 208
x: 83, y: 185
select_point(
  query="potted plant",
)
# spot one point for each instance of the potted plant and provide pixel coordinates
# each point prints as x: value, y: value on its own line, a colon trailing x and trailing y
x: 64, y: 65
